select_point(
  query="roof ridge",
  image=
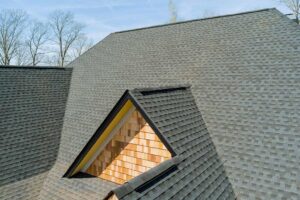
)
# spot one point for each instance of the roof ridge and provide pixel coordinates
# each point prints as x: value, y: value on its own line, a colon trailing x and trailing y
x: 162, y: 88
x: 34, y: 67
x: 199, y: 19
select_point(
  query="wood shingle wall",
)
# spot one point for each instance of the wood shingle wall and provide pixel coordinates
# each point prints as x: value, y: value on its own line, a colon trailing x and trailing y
x: 132, y: 151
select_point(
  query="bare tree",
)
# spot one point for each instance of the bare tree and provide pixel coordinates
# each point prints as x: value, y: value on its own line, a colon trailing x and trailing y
x: 37, y: 37
x: 81, y: 45
x: 52, y: 59
x: 11, y: 27
x: 22, y: 57
x: 66, y: 31
x: 172, y: 11
x: 294, y: 6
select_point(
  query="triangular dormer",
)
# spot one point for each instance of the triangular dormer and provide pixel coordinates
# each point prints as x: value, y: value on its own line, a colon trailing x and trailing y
x: 126, y: 145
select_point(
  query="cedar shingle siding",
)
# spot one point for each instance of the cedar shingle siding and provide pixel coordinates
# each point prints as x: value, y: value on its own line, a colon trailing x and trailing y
x: 133, y: 150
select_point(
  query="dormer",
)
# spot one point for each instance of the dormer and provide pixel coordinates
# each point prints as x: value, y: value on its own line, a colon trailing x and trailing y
x: 126, y: 145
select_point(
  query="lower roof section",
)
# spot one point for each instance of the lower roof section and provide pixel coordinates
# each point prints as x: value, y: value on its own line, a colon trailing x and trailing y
x: 32, y: 107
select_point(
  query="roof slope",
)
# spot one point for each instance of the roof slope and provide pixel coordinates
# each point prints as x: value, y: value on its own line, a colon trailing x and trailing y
x: 32, y: 104
x: 200, y: 173
x: 244, y: 71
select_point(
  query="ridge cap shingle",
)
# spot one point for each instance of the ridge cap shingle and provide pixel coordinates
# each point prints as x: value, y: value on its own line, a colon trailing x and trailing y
x: 194, y: 20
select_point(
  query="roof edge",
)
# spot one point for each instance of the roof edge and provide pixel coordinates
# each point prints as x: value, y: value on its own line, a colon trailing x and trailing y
x: 34, y: 67
x: 193, y: 20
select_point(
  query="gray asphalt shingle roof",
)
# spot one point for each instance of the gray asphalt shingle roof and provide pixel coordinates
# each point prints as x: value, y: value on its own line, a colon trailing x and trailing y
x: 32, y: 105
x: 244, y: 71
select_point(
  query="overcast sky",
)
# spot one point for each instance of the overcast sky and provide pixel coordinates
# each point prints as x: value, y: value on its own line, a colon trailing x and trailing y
x: 102, y: 17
